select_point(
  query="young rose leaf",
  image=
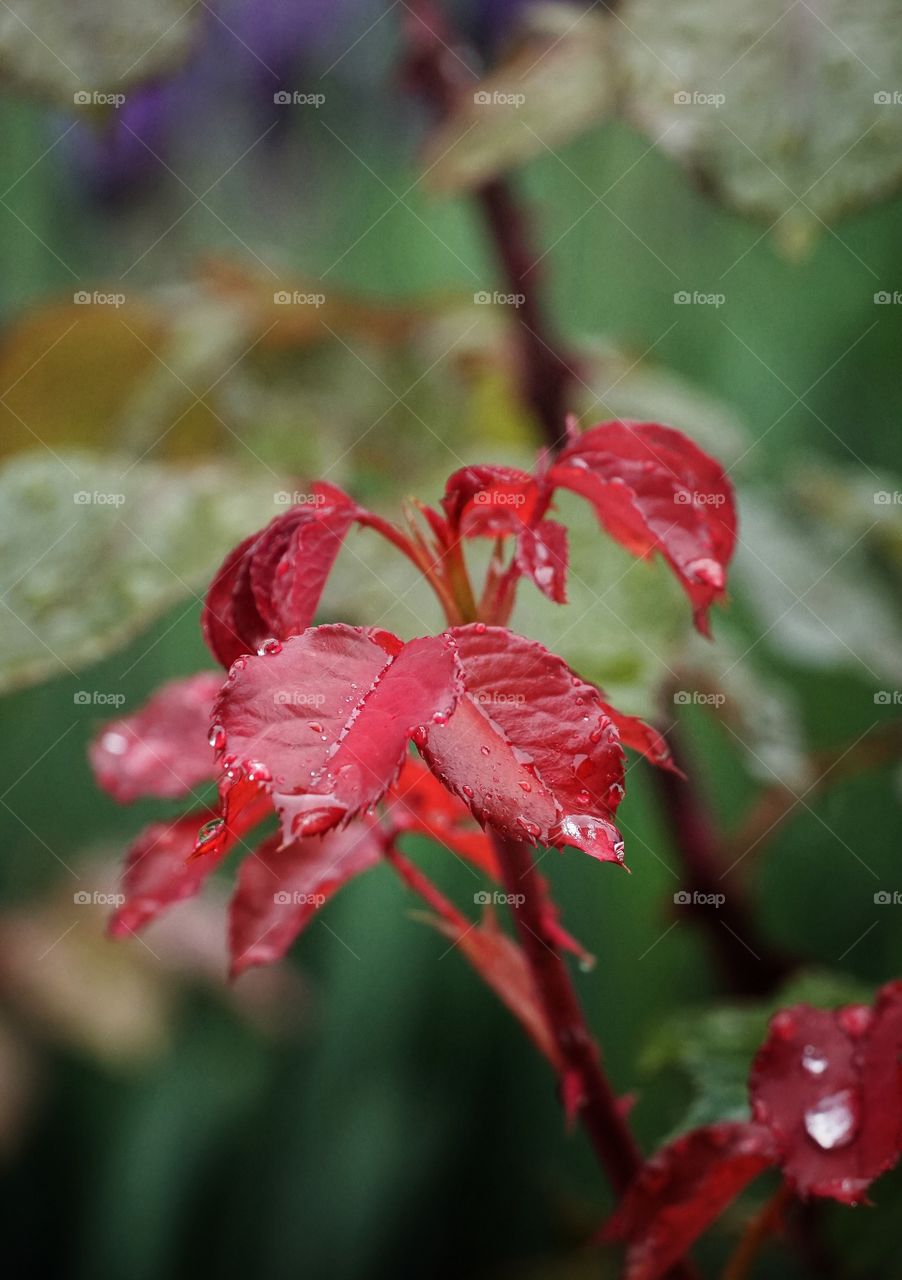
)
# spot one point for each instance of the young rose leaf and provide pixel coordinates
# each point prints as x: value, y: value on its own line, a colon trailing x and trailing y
x: 653, y: 489
x: 159, y: 868
x: 682, y: 1189
x: 530, y: 747
x: 827, y: 1084
x: 639, y: 736
x: 489, y: 501
x: 270, y: 585
x: 418, y: 803
x: 542, y: 557
x: 501, y: 964
x: 280, y: 889
x: 163, y: 749
x: 324, y: 720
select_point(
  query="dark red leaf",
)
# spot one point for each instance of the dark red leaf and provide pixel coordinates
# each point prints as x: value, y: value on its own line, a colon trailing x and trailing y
x: 501, y: 964
x: 163, y: 749
x: 325, y: 721
x: 160, y: 869
x: 827, y: 1084
x: 682, y: 1189
x: 542, y: 557
x: 270, y: 585
x: 653, y: 489
x: 418, y: 803
x: 488, y: 501
x: 280, y: 889
x: 530, y: 748
x: 639, y: 736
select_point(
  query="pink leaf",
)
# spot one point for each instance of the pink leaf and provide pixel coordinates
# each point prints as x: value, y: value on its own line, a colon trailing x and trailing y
x: 280, y: 889
x: 325, y: 721
x: 827, y: 1084
x: 681, y: 1190
x: 654, y: 490
x: 542, y: 557
x: 489, y: 501
x: 162, y: 749
x: 530, y: 747
x: 418, y: 803
x: 639, y: 736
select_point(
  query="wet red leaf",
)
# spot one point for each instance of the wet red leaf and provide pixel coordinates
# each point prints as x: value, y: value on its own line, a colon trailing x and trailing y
x: 542, y: 557
x: 530, y: 748
x: 489, y: 501
x: 653, y: 489
x: 280, y: 889
x: 162, y: 749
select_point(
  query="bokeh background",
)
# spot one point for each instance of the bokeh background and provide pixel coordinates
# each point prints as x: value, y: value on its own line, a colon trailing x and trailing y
x: 369, y: 1109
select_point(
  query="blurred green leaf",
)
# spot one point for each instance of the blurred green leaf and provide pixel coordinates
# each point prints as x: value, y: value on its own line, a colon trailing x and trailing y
x: 96, y: 548
x: 782, y: 110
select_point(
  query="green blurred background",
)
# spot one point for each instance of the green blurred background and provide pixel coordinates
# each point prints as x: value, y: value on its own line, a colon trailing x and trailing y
x: 373, y: 1111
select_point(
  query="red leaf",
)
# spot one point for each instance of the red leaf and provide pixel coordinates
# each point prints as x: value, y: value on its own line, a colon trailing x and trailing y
x: 270, y: 585
x: 488, y: 501
x: 681, y: 1190
x: 639, y: 736
x: 418, y: 803
x: 827, y: 1084
x: 542, y: 557
x: 163, y: 749
x: 501, y: 964
x: 530, y: 748
x: 654, y: 490
x: 325, y: 721
x: 280, y: 889
x: 159, y: 868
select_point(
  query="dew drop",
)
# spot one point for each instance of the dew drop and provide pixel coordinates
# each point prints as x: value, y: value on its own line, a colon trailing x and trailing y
x: 531, y: 828
x: 257, y: 772
x: 208, y: 832
x: 833, y: 1122
x: 269, y: 646
x: 707, y: 572
x: 217, y: 738
x: 485, y: 751
x: 855, y: 1019
x: 115, y: 743
x: 468, y: 791
x: 439, y: 718
x: 525, y: 786
x: 583, y: 797
x: 479, y: 628
x: 784, y: 1025
x: 812, y: 1061
x: 314, y: 726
